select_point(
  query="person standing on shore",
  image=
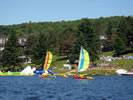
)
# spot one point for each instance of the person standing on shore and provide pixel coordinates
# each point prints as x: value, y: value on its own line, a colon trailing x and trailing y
x: 130, y: 69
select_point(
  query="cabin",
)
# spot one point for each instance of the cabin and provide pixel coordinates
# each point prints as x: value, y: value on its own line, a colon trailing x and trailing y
x: 22, y: 40
x: 4, y: 39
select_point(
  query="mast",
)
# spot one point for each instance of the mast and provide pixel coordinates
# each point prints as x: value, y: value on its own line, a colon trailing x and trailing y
x: 45, y: 61
x: 79, y: 60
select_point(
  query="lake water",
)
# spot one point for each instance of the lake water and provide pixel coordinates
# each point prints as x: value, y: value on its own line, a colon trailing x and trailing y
x: 59, y: 88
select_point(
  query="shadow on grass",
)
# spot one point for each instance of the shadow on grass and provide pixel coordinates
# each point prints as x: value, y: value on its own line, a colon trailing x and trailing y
x: 64, y: 58
x: 124, y: 53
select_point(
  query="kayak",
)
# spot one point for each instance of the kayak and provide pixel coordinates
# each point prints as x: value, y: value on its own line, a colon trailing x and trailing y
x: 63, y: 75
x: 77, y: 77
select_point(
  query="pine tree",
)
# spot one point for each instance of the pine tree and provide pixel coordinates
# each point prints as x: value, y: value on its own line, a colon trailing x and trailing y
x: 39, y: 50
x: 75, y: 50
x: 119, y: 46
x: 125, y: 31
x: 109, y: 31
x: 129, y: 31
x: 12, y: 52
x: 92, y: 43
x: 28, y: 46
x: 86, y: 38
x: 121, y: 31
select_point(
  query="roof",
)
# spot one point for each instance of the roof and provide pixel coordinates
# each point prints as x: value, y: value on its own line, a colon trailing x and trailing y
x: 3, y: 36
x: 25, y: 36
x: 20, y: 37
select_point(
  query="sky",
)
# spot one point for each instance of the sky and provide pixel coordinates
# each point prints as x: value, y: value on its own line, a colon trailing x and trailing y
x: 23, y: 11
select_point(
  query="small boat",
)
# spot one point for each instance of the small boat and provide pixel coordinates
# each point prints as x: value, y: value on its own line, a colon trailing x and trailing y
x: 84, y: 61
x: 128, y: 73
x: 63, y: 75
x: 47, y: 64
x: 123, y: 72
x: 77, y: 77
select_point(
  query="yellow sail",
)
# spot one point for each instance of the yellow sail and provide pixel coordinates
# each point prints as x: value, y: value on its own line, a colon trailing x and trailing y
x: 48, y: 61
x: 83, y: 61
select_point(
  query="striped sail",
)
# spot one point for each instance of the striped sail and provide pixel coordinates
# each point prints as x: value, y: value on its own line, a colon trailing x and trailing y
x: 83, y: 61
x: 48, y: 61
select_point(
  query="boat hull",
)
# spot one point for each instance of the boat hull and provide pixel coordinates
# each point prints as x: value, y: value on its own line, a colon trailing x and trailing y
x: 77, y: 77
x: 128, y: 73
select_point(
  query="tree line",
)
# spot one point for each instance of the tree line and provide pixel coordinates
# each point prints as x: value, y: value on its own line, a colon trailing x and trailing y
x: 66, y: 38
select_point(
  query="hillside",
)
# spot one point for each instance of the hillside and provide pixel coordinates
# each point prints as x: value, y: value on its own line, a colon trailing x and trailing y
x: 58, y: 27
x: 66, y: 37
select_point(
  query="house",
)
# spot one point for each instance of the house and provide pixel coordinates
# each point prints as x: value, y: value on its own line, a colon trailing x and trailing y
x: 4, y: 39
x: 22, y: 40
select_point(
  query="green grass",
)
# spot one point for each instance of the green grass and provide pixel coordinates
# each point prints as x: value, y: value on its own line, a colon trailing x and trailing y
x: 58, y: 62
x: 112, y: 53
x: 107, y: 54
x: 14, y: 73
x: 122, y: 63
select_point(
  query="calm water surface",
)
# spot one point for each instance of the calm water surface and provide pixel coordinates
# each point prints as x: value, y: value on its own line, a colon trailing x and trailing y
x: 59, y: 88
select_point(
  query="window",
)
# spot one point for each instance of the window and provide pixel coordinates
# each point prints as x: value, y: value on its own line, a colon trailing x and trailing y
x: 22, y: 40
x: 0, y: 40
x: 3, y: 40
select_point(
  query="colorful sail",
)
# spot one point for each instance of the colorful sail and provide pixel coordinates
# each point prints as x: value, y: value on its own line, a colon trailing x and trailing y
x: 48, y: 61
x: 83, y: 61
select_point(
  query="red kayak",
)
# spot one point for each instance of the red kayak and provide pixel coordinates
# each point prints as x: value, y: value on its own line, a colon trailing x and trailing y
x: 77, y: 77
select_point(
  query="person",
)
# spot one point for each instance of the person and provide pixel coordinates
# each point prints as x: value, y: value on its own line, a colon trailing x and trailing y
x: 44, y: 75
x: 78, y: 75
x: 81, y: 76
x: 130, y: 69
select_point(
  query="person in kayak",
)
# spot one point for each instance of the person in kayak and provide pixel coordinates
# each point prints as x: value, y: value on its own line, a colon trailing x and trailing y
x: 44, y: 75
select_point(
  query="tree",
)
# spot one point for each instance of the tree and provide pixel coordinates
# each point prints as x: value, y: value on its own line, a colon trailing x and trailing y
x: 86, y: 38
x: 29, y: 45
x: 125, y: 31
x: 119, y: 46
x: 75, y: 50
x: 121, y: 31
x: 65, y: 41
x: 109, y: 31
x: 19, y: 33
x: 129, y: 31
x: 92, y: 44
x: 12, y: 52
x: 39, y: 50
x: 29, y: 28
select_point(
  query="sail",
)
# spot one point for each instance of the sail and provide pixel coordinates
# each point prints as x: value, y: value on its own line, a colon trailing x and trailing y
x: 83, y: 61
x: 48, y: 61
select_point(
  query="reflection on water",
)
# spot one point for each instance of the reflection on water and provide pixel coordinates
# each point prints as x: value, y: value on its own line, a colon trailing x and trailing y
x: 60, y: 88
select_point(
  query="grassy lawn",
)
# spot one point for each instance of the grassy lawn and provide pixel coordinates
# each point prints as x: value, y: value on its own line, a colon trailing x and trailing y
x: 122, y: 63
x: 59, y: 61
x: 107, y: 54
x: 112, y: 53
